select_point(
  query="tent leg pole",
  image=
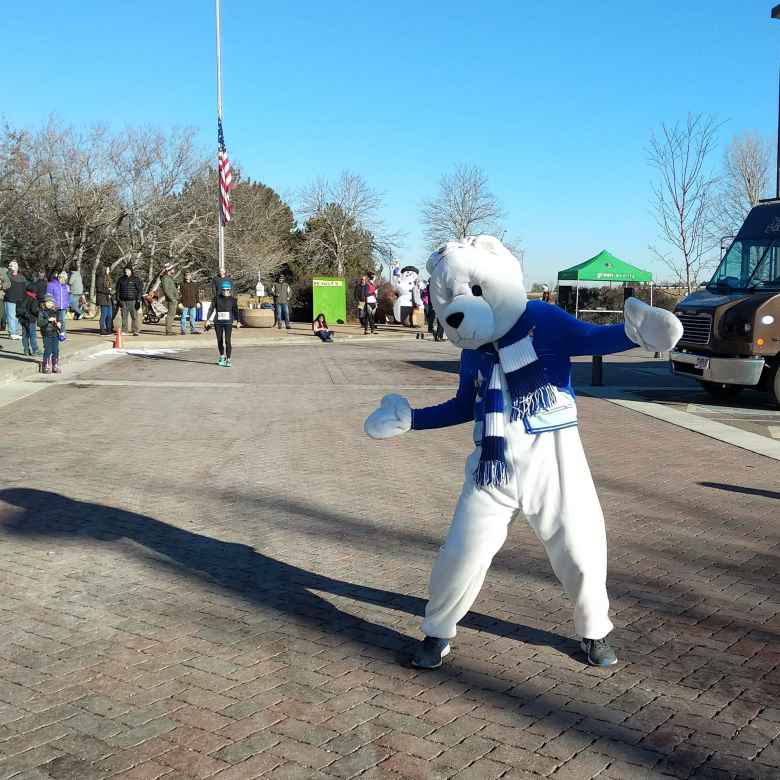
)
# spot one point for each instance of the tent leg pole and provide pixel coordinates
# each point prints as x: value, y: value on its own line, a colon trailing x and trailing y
x: 577, y: 301
x: 597, y: 371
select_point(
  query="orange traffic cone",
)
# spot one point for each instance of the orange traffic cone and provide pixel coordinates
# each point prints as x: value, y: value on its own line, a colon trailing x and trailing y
x: 118, y: 338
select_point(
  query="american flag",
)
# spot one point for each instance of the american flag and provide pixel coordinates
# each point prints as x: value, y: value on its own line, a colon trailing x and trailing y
x: 225, y: 175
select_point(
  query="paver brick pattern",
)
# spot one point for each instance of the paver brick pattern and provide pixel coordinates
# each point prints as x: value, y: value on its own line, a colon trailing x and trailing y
x: 219, y: 582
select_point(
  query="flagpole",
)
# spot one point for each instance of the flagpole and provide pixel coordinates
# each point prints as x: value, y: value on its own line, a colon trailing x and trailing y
x: 219, y: 115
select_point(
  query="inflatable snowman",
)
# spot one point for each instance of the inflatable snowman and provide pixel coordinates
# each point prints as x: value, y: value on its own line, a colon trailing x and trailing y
x: 407, y: 289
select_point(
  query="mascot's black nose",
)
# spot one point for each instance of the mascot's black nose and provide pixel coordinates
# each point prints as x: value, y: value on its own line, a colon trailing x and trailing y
x: 455, y: 319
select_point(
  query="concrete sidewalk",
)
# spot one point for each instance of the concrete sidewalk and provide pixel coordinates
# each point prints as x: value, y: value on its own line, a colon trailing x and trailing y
x: 638, y: 381
x: 84, y: 339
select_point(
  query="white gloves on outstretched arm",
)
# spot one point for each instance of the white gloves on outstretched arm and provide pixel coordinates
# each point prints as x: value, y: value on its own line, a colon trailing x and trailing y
x: 392, y: 418
x: 656, y: 330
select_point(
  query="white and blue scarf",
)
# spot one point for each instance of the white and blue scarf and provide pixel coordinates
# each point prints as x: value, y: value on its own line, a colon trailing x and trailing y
x: 529, y: 390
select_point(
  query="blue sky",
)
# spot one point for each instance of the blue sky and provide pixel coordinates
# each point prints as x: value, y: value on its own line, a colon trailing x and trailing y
x: 555, y: 101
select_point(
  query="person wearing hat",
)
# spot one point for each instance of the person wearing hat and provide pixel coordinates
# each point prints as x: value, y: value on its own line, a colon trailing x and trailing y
x: 51, y: 329
x: 171, y: 293
x: 216, y: 282
x: 224, y: 315
x: 282, y: 294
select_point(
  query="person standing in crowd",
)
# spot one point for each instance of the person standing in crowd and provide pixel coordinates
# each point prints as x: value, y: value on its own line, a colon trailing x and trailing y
x: 4, y: 283
x: 171, y: 293
x: 224, y: 315
x: 103, y: 299
x: 27, y: 311
x: 14, y: 295
x: 40, y: 285
x: 435, y: 328
x: 59, y: 290
x: 76, y: 299
x: 216, y: 283
x: 50, y: 326
x: 430, y: 314
x: 129, y: 291
x: 370, y: 296
x: 190, y: 303
x: 360, y: 299
x: 320, y: 328
x: 282, y: 294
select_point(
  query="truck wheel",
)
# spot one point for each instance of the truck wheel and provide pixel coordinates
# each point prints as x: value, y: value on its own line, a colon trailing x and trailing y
x: 720, y: 391
x: 774, y: 386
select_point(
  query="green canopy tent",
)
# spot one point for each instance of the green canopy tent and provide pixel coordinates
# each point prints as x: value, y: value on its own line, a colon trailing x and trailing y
x: 604, y: 267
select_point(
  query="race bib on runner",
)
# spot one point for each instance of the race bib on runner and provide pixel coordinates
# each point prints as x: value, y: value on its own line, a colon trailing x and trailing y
x: 223, y: 315
x: 371, y: 299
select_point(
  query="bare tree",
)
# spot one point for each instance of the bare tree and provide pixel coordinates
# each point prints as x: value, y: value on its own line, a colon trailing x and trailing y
x: 347, y: 217
x: 683, y: 195
x: 745, y: 180
x: 75, y: 200
x: 151, y: 168
x: 464, y: 206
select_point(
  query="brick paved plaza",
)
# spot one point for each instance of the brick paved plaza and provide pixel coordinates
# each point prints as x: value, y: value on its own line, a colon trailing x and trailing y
x: 213, y: 573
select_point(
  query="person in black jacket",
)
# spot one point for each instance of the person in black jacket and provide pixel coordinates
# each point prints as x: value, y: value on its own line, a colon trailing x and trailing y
x: 27, y: 314
x: 224, y: 315
x: 129, y: 291
x: 39, y: 286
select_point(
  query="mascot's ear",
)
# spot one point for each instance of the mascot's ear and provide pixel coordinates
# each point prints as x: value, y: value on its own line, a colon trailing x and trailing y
x: 435, y: 258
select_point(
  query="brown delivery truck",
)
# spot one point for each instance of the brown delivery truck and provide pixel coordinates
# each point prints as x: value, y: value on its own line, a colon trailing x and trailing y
x: 731, y: 329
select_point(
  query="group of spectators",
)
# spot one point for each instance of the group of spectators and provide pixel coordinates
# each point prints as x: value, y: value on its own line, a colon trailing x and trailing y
x: 366, y: 297
x: 37, y: 304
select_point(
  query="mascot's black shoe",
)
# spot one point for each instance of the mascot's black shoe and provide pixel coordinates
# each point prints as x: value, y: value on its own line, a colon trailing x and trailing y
x: 599, y: 652
x: 429, y: 653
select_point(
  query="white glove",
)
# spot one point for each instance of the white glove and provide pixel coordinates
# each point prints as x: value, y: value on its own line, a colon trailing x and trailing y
x: 656, y: 330
x: 393, y: 417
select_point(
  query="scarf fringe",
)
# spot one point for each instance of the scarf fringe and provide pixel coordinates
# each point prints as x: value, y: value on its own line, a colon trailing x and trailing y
x: 491, y: 472
x: 540, y: 400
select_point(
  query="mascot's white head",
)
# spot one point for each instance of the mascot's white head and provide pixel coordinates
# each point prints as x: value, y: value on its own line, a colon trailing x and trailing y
x: 476, y: 289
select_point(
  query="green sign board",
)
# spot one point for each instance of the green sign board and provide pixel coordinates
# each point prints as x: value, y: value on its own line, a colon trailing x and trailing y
x: 329, y: 296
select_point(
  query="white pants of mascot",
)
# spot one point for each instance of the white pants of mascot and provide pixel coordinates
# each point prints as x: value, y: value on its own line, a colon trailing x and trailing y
x: 550, y: 483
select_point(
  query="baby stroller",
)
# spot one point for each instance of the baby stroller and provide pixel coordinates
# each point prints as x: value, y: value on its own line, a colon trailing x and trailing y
x: 154, y: 310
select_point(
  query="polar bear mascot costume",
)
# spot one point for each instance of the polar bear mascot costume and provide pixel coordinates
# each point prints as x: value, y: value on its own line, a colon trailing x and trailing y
x: 515, y: 383
x: 407, y: 288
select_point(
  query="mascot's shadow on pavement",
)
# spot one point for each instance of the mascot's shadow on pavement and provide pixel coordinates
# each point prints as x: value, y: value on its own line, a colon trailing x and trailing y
x: 240, y: 569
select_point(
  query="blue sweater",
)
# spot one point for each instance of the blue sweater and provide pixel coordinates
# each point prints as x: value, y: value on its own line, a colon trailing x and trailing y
x: 557, y: 337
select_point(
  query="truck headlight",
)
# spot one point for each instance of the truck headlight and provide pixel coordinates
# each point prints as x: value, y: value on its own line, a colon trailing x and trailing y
x: 767, y: 319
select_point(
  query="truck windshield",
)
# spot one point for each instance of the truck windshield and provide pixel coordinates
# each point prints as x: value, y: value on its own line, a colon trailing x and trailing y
x: 749, y: 265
